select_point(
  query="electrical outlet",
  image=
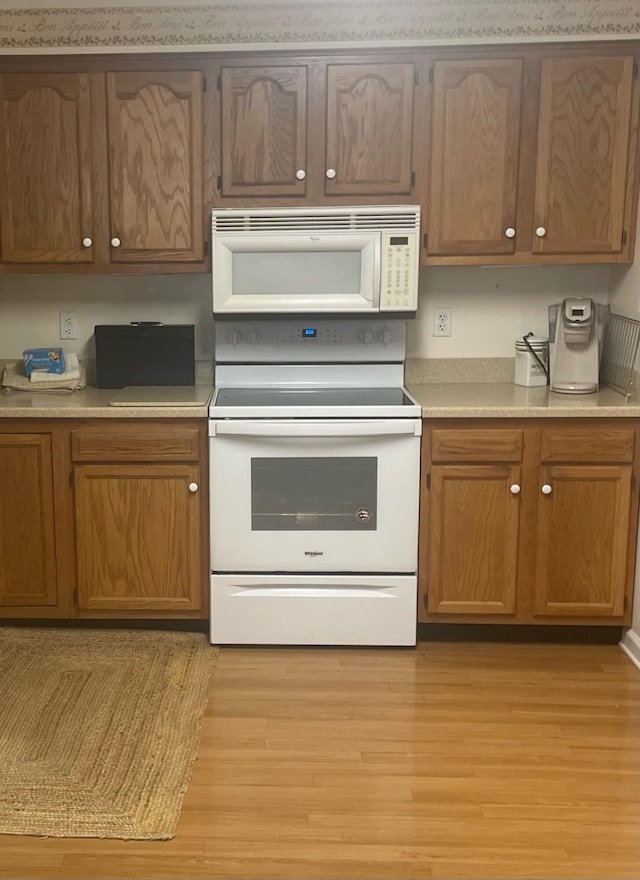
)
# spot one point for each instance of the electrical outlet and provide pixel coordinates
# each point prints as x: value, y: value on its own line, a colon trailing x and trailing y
x: 68, y: 325
x: 442, y: 321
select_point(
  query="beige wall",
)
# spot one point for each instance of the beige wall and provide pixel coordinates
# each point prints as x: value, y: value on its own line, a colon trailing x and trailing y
x: 625, y: 300
x: 29, y: 307
x: 490, y: 306
x: 624, y: 294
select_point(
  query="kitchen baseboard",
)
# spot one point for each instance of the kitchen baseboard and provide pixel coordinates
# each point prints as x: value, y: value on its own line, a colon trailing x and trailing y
x: 630, y: 644
x: 477, y: 632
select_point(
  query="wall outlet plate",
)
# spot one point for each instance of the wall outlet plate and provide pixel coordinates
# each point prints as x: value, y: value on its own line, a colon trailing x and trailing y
x: 442, y: 321
x: 68, y: 325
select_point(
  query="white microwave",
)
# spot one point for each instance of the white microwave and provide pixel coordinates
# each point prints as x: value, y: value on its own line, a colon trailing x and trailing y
x: 351, y: 260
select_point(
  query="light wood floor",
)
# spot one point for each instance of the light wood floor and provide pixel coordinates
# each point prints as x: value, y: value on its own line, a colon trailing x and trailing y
x: 450, y: 761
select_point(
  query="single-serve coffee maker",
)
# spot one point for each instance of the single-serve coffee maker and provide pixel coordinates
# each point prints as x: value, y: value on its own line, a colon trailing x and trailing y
x: 576, y: 327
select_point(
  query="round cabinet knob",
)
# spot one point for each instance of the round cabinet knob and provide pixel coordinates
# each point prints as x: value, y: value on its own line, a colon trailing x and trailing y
x: 235, y: 337
x: 365, y: 336
x: 541, y: 232
x: 115, y: 242
x: 546, y: 489
x: 331, y: 173
x: 384, y: 336
x: 515, y: 489
x: 193, y: 487
x: 253, y: 337
x: 510, y: 232
x: 86, y: 242
x: 301, y: 174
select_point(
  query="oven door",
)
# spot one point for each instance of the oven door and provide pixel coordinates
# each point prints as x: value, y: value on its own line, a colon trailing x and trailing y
x: 308, y: 496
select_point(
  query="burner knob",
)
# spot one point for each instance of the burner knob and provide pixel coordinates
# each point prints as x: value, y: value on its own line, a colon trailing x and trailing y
x: 365, y: 336
x: 235, y: 337
x: 384, y: 336
x: 253, y: 337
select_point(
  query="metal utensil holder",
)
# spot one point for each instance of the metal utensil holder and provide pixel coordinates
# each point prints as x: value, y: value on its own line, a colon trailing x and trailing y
x: 620, y: 353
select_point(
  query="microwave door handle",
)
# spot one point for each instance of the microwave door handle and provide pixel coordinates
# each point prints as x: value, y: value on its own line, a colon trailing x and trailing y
x: 350, y: 429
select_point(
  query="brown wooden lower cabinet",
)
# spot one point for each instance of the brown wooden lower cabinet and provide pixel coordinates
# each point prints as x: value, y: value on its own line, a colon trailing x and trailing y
x: 102, y: 518
x: 473, y: 539
x: 528, y: 521
x: 27, y: 533
x: 521, y: 521
x: 137, y: 537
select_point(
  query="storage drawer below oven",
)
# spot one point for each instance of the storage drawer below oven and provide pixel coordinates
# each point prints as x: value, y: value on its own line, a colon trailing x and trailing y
x: 313, y: 610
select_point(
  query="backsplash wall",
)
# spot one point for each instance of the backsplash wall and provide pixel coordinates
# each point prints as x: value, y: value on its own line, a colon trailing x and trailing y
x: 490, y: 307
x: 30, y: 306
x: 625, y: 285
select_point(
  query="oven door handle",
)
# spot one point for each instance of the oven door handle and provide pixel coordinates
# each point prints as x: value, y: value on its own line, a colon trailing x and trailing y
x: 318, y: 429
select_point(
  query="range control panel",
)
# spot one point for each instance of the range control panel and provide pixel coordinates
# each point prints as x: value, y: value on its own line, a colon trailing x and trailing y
x: 347, y: 340
x: 310, y: 334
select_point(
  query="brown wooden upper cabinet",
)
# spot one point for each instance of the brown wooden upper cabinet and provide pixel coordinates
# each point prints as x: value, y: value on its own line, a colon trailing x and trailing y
x: 46, y: 168
x: 369, y: 129
x: 155, y: 137
x: 533, y: 159
x: 583, y: 148
x: 474, y: 159
x: 264, y: 130
x: 101, y: 169
x: 313, y: 131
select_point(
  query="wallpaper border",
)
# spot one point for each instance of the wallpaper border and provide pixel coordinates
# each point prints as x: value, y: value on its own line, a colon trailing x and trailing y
x: 304, y: 23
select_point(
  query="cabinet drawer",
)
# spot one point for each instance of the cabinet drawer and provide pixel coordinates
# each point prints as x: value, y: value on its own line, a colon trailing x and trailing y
x: 586, y: 444
x: 477, y: 444
x: 136, y: 443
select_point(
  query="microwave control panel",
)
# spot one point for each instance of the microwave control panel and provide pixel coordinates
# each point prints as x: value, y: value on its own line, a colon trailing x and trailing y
x: 398, y: 272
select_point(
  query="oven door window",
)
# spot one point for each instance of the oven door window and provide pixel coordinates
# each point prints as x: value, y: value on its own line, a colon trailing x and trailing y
x: 314, y: 494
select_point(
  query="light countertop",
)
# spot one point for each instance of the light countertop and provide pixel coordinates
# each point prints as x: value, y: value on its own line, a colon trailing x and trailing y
x: 446, y: 400
x: 506, y: 400
x: 91, y: 403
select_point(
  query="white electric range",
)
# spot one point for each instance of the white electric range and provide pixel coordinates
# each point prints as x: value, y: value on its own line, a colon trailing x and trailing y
x: 314, y: 470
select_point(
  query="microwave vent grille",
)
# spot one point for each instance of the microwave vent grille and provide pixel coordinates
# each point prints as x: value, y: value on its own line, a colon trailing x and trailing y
x: 308, y: 221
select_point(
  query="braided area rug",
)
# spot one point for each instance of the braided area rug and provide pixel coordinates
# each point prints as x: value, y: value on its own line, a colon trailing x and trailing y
x: 99, y: 730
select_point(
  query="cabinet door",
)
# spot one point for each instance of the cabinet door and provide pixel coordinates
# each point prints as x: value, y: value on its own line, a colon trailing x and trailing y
x: 264, y: 122
x: 582, y: 540
x: 474, y: 157
x: 155, y: 166
x: 583, y: 145
x: 138, y: 539
x: 473, y: 539
x: 369, y: 129
x: 27, y: 537
x: 46, y: 204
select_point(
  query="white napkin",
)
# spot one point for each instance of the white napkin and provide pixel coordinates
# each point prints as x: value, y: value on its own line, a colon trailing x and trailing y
x: 71, y: 372
x: 15, y: 378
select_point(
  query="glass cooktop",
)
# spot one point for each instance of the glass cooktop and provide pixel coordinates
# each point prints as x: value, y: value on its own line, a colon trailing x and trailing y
x: 312, y: 397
